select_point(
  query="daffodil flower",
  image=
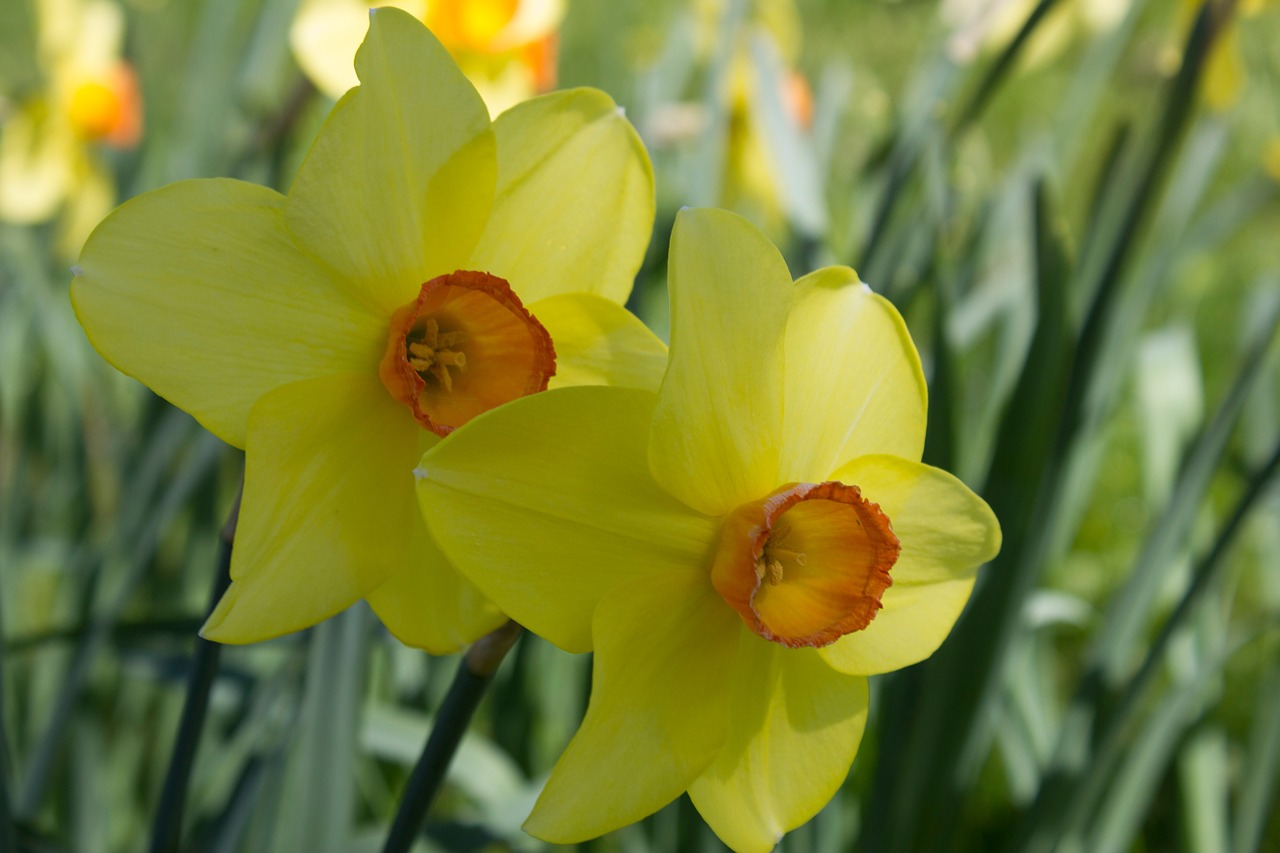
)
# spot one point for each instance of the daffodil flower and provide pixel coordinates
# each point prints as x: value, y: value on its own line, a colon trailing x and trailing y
x: 741, y: 549
x: 49, y: 163
x: 761, y: 118
x: 425, y: 266
x: 507, y: 48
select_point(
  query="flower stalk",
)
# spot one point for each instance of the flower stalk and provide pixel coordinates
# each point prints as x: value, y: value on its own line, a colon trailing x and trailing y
x: 166, y: 830
x: 469, y: 684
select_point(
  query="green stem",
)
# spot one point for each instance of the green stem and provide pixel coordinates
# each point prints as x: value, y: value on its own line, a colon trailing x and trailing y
x: 166, y: 831
x: 469, y: 684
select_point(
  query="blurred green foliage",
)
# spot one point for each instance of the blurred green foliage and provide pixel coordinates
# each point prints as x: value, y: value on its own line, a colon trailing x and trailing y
x: 1087, y: 258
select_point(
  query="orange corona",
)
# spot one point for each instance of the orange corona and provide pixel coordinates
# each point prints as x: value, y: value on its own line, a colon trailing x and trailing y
x: 464, y: 346
x: 806, y: 565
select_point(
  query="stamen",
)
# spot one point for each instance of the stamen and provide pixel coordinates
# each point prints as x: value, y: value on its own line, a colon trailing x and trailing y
x: 432, y: 352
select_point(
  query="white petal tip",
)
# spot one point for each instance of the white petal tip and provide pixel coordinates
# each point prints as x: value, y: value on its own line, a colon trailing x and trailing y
x: 420, y: 473
x: 620, y: 111
x: 866, y: 288
x: 77, y: 270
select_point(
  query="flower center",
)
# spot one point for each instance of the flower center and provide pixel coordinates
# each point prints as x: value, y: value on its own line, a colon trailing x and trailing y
x: 770, y: 567
x: 464, y: 346
x: 107, y: 108
x: 431, y: 352
x: 470, y: 25
x: 806, y: 565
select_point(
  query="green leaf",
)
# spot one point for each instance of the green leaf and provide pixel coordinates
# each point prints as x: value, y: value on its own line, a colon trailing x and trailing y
x: 317, y: 812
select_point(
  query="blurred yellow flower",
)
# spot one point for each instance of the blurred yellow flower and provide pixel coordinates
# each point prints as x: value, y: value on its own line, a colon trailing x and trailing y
x: 426, y: 265
x: 1224, y: 72
x: 1271, y: 158
x: 49, y: 158
x: 507, y: 48
x: 979, y: 26
x: 753, y: 181
x: 767, y: 170
x: 740, y: 549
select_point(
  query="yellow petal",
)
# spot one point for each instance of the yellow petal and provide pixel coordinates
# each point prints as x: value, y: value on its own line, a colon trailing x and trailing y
x: 546, y: 504
x: 427, y: 604
x: 93, y: 199
x: 794, y: 729
x: 658, y: 711
x: 574, y: 206
x: 324, y: 36
x: 718, y: 424
x: 946, y: 532
x: 533, y: 20
x: 599, y: 342
x: 853, y: 379
x: 398, y: 186
x: 196, y: 290
x: 37, y: 157
x: 327, y: 515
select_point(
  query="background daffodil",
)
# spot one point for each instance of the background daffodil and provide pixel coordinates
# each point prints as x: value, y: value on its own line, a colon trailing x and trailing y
x: 750, y: 147
x: 507, y: 48
x: 425, y: 265
x: 52, y: 136
x: 740, y: 549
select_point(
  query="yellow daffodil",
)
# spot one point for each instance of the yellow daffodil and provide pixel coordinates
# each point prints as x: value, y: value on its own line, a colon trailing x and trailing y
x: 755, y: 174
x: 49, y: 160
x: 425, y: 266
x: 767, y: 105
x: 506, y: 47
x: 740, y: 549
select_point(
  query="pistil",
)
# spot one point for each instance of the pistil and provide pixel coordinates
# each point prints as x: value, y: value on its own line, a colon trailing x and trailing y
x: 770, y: 566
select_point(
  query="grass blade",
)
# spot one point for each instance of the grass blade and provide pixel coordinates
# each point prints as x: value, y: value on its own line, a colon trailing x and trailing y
x: 1129, y: 609
x: 317, y: 813
x: 1066, y: 798
x: 1261, y: 766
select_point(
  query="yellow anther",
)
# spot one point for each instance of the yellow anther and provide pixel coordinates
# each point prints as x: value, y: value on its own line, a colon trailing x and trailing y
x: 431, y: 354
x: 450, y: 339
